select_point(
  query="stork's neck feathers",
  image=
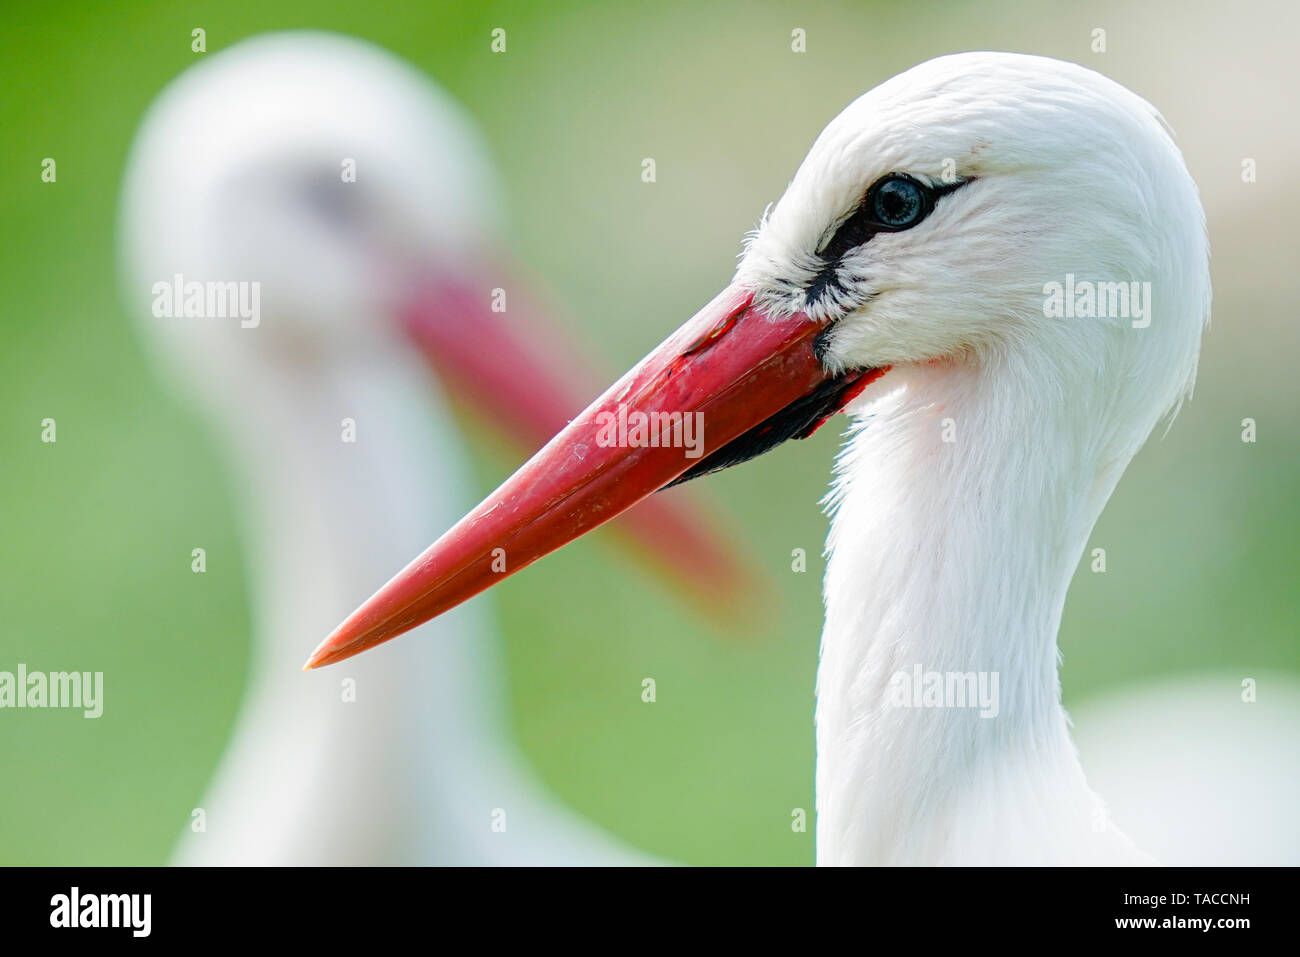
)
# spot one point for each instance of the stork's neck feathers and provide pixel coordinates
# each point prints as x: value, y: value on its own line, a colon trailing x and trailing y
x: 365, y: 755
x: 402, y: 757
x: 965, y: 498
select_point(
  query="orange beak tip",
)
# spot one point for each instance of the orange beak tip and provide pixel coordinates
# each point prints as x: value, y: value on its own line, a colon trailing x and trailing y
x: 323, y: 654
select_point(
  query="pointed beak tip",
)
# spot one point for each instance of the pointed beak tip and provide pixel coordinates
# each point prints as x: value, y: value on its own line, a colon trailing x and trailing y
x: 326, y: 653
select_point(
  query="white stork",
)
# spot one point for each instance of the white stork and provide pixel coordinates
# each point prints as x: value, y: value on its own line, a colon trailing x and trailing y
x: 241, y: 172
x: 914, y: 274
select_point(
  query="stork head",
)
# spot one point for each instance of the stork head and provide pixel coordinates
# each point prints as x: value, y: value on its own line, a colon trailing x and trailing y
x: 337, y: 193
x: 930, y: 223
x: 323, y: 168
x: 935, y: 218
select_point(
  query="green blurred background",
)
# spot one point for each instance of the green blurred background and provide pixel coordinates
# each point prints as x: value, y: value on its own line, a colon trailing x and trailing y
x: 97, y: 529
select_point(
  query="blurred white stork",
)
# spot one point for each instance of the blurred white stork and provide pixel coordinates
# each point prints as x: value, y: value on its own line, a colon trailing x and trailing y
x: 917, y: 271
x: 242, y: 172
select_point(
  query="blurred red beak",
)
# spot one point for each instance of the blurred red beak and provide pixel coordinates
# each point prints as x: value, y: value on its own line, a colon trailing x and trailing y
x: 728, y: 385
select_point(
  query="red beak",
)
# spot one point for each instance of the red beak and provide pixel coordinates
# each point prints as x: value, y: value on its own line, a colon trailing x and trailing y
x: 527, y: 377
x: 728, y: 385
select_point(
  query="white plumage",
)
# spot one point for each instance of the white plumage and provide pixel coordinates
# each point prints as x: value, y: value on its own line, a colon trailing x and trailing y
x: 973, y: 474
x: 229, y: 179
x: 977, y: 467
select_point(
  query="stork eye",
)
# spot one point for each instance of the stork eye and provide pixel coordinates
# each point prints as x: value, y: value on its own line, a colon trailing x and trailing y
x: 899, y: 202
x: 330, y: 199
x: 894, y: 202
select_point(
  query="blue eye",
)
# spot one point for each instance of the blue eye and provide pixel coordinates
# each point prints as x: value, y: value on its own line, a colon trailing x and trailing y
x: 893, y: 203
x: 898, y: 202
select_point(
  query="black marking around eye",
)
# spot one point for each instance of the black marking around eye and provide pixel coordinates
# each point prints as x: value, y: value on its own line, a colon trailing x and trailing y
x: 860, y: 226
x: 825, y: 284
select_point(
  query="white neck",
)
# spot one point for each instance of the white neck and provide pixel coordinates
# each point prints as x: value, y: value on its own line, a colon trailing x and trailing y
x: 955, y: 556
x: 412, y: 770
